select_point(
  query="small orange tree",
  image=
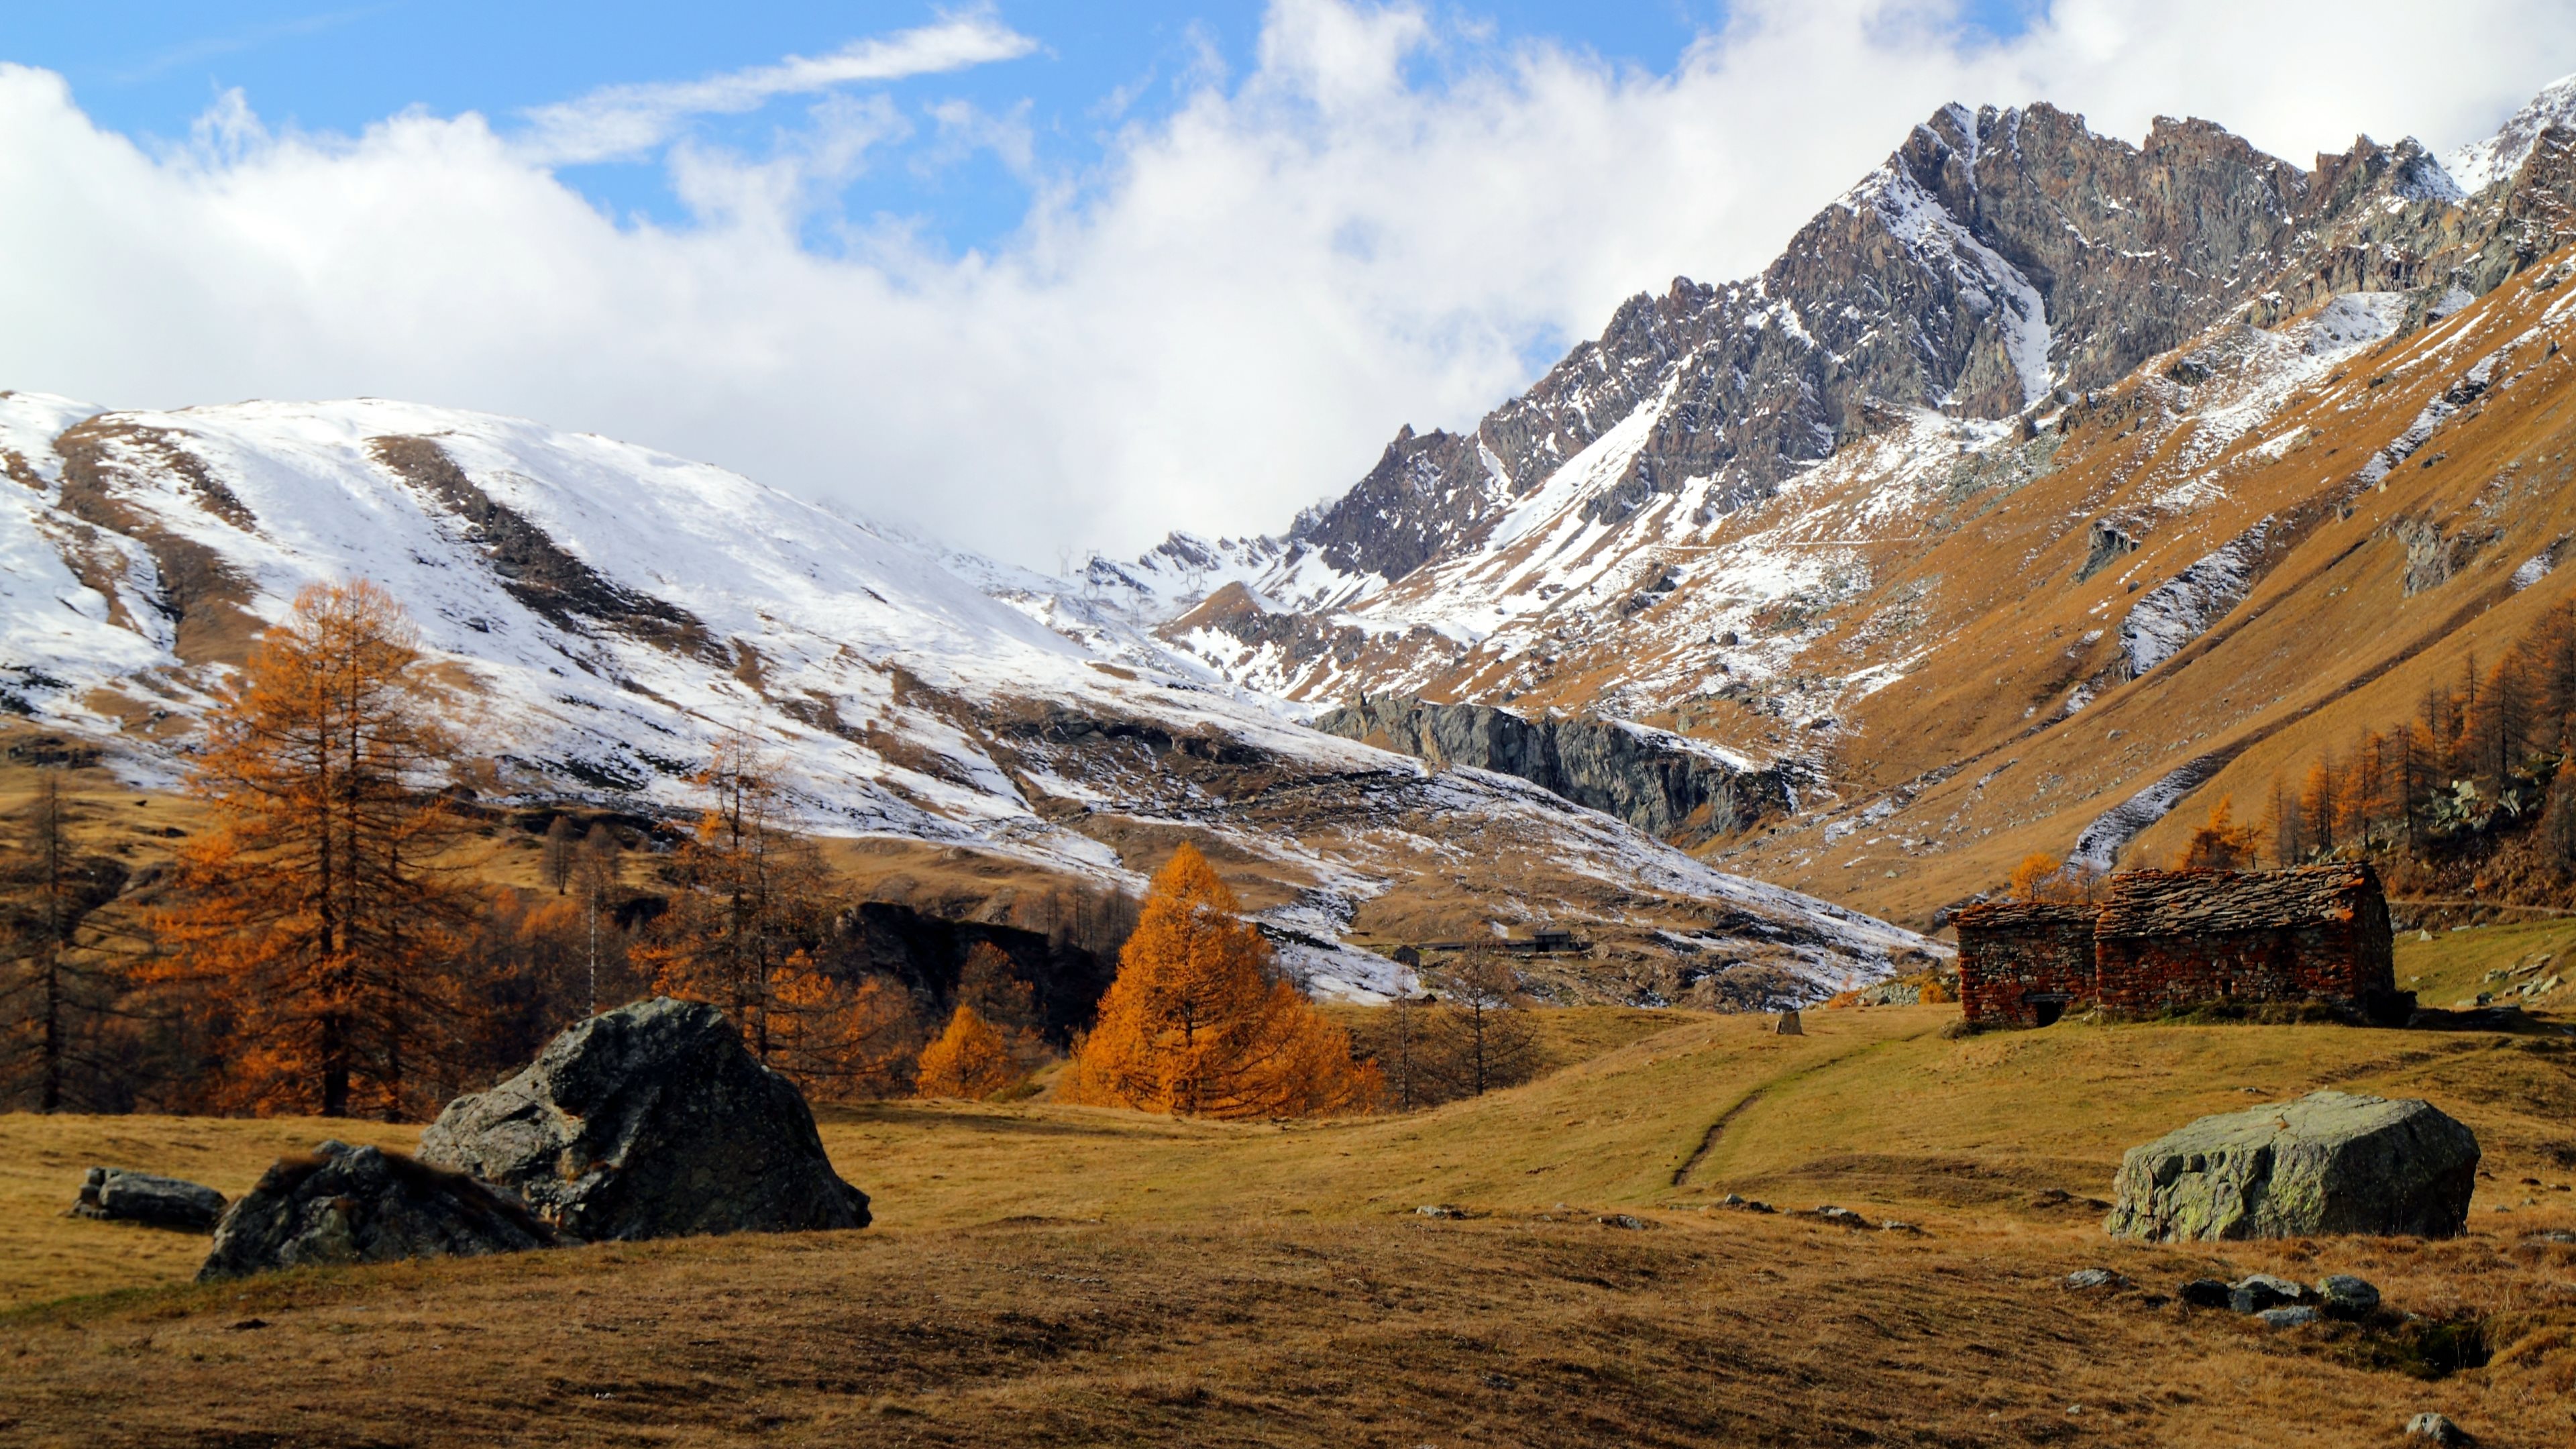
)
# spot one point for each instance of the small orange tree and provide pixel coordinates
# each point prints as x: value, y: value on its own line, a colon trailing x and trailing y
x: 970, y: 1059
x: 312, y: 916
x: 1197, y: 1022
x: 2219, y: 843
x: 2042, y: 877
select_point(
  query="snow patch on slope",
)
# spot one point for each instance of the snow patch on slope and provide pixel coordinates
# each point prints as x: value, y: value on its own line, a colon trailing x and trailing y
x: 2484, y: 163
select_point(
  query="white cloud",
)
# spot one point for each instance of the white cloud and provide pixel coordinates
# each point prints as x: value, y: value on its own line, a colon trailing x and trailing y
x: 1223, y: 320
x: 626, y: 121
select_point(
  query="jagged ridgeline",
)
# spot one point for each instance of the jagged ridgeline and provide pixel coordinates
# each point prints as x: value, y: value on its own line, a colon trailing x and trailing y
x: 2018, y: 434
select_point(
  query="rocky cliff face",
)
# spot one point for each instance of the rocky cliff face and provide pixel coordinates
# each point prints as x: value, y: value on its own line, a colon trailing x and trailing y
x: 1997, y: 257
x: 1652, y: 779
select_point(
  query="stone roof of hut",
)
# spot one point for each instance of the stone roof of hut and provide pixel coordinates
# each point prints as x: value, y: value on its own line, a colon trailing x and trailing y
x: 2018, y: 915
x: 2215, y: 902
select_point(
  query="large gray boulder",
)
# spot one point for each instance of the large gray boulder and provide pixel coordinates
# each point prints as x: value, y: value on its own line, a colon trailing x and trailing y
x: 118, y: 1195
x: 2330, y: 1162
x: 650, y: 1121
x: 348, y: 1204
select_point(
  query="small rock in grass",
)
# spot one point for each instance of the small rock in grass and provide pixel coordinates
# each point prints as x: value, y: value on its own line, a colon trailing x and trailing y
x: 117, y: 1195
x: 2438, y: 1429
x: 2206, y: 1293
x: 2296, y: 1316
x: 2345, y: 1296
x: 1439, y: 1210
x: 1620, y: 1220
x: 2259, y: 1291
x: 1893, y: 1225
x: 1841, y: 1215
x: 2083, y: 1278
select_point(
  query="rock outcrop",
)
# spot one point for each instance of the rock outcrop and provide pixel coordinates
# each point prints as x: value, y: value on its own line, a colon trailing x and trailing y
x: 1655, y: 781
x: 650, y: 1121
x: 117, y: 1195
x: 348, y: 1204
x: 2330, y: 1162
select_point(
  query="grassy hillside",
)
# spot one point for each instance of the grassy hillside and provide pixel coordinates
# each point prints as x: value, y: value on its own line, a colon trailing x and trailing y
x: 1044, y: 1274
x: 2012, y: 724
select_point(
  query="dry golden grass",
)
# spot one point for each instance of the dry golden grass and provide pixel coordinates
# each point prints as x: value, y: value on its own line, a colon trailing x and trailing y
x: 1053, y: 1275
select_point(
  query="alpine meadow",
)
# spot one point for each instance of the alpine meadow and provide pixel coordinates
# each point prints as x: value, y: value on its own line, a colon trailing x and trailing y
x: 1967, y: 838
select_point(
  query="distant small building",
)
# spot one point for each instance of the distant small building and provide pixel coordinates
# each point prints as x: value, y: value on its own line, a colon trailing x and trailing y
x: 2160, y: 939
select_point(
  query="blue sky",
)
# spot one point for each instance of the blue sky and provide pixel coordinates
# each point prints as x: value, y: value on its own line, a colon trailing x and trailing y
x: 150, y: 69
x: 1035, y: 274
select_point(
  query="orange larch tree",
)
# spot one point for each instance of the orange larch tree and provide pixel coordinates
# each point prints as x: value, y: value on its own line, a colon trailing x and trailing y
x: 1197, y: 1022
x: 970, y: 1060
x: 2219, y: 843
x: 315, y: 915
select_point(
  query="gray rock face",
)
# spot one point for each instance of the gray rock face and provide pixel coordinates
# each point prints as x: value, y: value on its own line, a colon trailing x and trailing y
x: 2330, y: 1162
x: 2299, y: 1316
x: 1650, y: 780
x: 650, y: 1121
x: 349, y: 1204
x: 114, y: 1194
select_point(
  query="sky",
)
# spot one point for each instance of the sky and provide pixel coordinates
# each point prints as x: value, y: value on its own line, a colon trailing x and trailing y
x: 1035, y: 277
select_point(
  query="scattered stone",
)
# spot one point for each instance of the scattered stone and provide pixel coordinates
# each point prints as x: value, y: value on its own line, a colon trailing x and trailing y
x: 2207, y: 1293
x: 348, y: 1204
x: 1893, y: 1225
x: 2087, y: 1278
x: 1745, y: 1204
x: 2345, y: 1296
x: 2329, y: 1162
x: 2553, y: 1235
x: 2298, y: 1316
x: 1842, y: 1216
x: 1788, y: 1025
x: 2259, y: 1291
x: 1439, y: 1210
x: 1622, y: 1220
x: 2438, y: 1429
x: 650, y: 1121
x: 117, y: 1195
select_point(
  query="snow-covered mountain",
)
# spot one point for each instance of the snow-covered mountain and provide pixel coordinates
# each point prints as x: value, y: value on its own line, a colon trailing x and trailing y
x: 1755, y: 516
x: 606, y: 613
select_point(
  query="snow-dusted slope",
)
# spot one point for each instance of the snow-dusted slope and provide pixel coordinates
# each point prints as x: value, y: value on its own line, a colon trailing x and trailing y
x: 606, y: 613
x: 2484, y: 163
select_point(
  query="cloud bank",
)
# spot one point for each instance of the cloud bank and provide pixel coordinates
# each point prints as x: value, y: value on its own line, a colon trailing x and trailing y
x: 1384, y: 219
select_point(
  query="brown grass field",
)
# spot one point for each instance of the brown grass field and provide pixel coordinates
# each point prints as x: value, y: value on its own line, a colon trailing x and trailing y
x: 1051, y: 1275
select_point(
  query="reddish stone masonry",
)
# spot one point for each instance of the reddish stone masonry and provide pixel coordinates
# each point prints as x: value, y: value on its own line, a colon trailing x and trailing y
x: 2160, y: 939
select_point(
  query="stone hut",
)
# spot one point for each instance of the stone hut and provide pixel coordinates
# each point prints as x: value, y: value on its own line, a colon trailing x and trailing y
x: 2177, y: 938
x: 2170, y: 938
x: 2022, y: 963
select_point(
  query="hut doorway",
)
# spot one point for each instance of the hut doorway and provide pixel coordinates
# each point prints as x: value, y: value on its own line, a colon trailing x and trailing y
x: 2045, y: 1006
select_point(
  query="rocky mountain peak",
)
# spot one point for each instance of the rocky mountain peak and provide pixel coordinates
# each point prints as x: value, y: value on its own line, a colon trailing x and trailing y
x: 2485, y: 163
